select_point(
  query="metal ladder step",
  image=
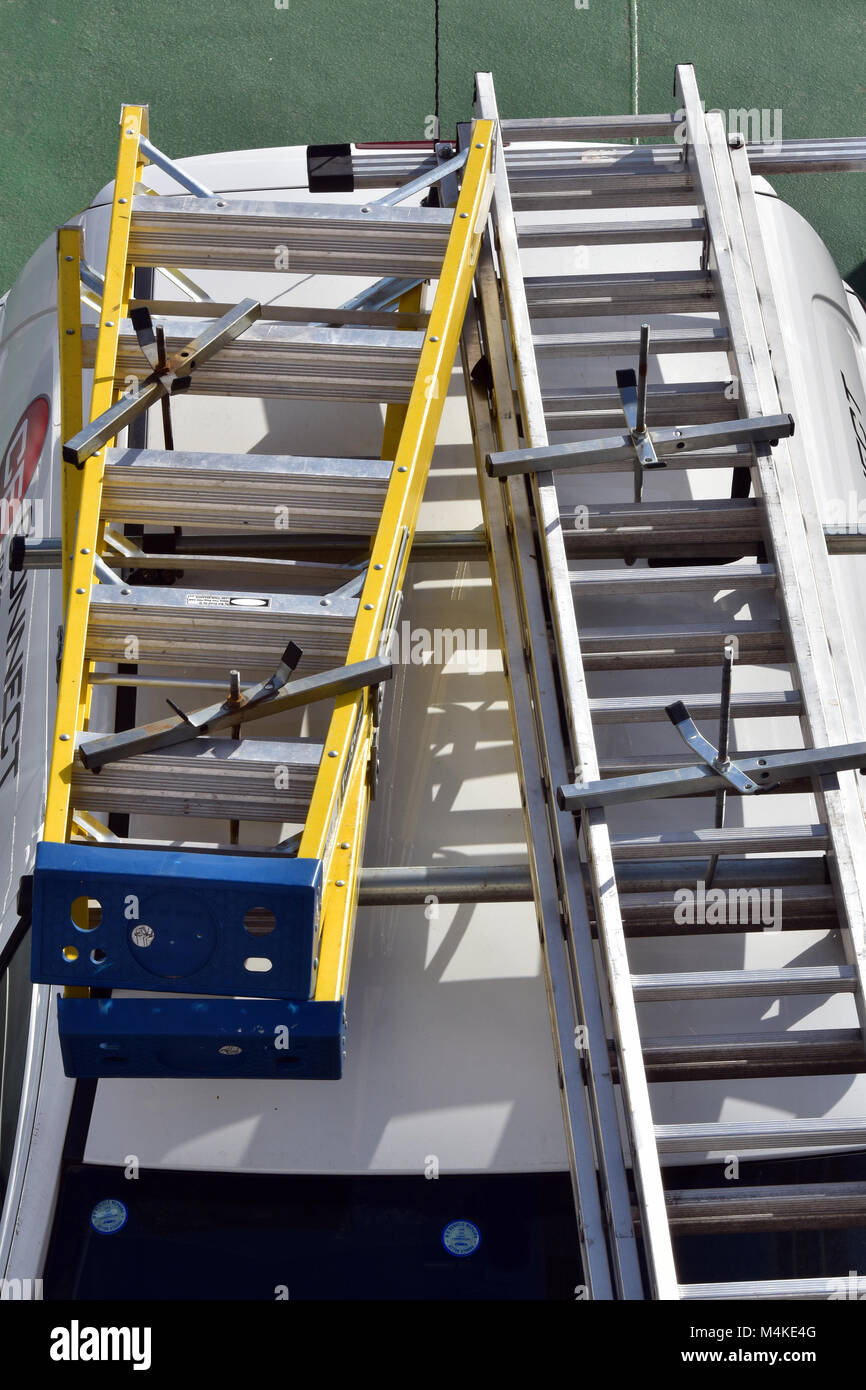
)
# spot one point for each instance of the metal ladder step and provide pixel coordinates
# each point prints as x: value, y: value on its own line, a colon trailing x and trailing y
x: 745, y: 984
x: 572, y: 189
x: 251, y: 491
x: 602, y: 166
x: 324, y: 315
x: 269, y: 572
x: 326, y: 238
x: 670, y: 229
x: 279, y: 359
x: 714, y: 338
x: 629, y: 292
x: 603, y: 177
x: 802, y: 1207
x: 681, y: 644
x: 638, y: 709
x: 711, y: 1136
x: 730, y: 839
x: 213, y: 631
x: 590, y: 127
x: 254, y: 779
x: 692, y: 403
x: 687, y: 579
x: 774, y: 1290
x: 739, y: 520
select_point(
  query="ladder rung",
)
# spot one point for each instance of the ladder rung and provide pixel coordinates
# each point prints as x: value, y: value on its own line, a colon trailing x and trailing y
x: 667, y: 529
x: 685, y: 579
x: 611, y: 178
x: 391, y: 319
x: 627, y: 344
x: 211, y: 777
x: 731, y: 839
x: 745, y: 984
x: 830, y: 1052
x: 608, y: 166
x: 590, y: 127
x: 254, y: 491
x: 748, y: 907
x: 679, y: 644
x: 633, y: 292
x: 559, y: 194
x: 294, y: 575
x: 601, y: 158
x: 217, y: 631
x: 711, y: 1136
x: 691, y: 403
x: 634, y: 709
x: 246, y: 234
x: 714, y: 513
x: 843, y: 1286
x: 598, y: 175
x: 276, y: 359
x: 669, y: 229
x: 794, y: 1207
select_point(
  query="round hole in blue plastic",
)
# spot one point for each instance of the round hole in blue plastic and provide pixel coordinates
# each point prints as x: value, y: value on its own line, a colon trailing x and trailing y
x: 259, y: 921
x: 86, y: 913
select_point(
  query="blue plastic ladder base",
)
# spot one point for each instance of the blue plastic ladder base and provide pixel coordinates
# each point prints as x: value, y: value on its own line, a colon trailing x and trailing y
x: 176, y: 920
x: 216, y: 1038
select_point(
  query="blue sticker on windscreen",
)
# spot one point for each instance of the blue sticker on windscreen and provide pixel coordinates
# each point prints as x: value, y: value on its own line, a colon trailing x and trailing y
x: 108, y: 1216
x: 461, y: 1238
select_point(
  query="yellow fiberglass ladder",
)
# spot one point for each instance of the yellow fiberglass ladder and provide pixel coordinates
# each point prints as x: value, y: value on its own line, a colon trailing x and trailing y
x: 577, y: 665
x: 232, y: 959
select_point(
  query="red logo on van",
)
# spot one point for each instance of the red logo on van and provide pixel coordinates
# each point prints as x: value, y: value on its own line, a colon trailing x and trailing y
x: 21, y: 457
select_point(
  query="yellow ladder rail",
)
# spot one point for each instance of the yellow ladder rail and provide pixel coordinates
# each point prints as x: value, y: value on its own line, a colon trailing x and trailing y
x: 72, y: 694
x: 340, y: 778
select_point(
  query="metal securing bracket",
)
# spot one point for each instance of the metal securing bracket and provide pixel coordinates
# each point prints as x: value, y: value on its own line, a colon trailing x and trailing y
x: 752, y: 773
x: 590, y: 454
x: 257, y: 702
x: 632, y: 395
x: 164, y: 380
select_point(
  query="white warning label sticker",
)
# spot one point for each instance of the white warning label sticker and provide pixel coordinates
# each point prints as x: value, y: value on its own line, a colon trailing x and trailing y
x: 227, y: 601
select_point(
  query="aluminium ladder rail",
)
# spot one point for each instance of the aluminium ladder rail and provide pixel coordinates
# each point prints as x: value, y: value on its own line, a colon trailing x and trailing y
x: 208, y: 929
x: 555, y: 719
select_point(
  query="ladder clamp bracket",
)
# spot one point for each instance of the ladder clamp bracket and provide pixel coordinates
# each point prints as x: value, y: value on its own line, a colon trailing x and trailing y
x: 590, y: 454
x: 267, y: 698
x: 632, y: 394
x: 686, y: 727
x: 178, y: 369
x: 766, y: 771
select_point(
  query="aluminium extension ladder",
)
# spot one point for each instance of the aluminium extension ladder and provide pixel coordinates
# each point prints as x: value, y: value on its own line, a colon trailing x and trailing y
x: 194, y: 933
x: 588, y: 882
